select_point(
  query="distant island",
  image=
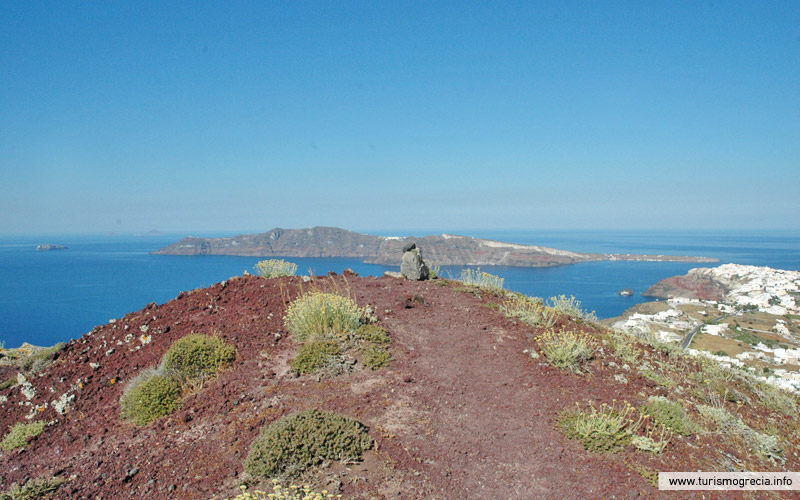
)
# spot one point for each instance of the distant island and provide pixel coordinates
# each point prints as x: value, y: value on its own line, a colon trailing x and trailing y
x: 443, y: 250
x: 45, y: 248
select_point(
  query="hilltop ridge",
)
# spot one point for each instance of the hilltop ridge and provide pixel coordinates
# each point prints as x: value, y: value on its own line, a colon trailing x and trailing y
x: 443, y: 250
x: 469, y: 406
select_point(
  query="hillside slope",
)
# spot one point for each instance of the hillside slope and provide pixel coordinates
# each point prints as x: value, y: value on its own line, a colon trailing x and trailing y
x: 462, y: 411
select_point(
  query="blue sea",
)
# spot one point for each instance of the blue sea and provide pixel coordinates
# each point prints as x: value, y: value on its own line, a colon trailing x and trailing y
x: 55, y: 296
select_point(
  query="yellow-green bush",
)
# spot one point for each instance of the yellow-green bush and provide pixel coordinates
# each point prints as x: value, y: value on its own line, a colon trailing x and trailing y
x: 375, y: 356
x: 607, y: 429
x: 373, y: 333
x: 18, y: 436
x: 322, y: 316
x: 296, y: 442
x: 314, y: 355
x: 32, y: 489
x: 571, y: 307
x: 273, y: 268
x: 566, y: 349
x: 151, y: 397
x: 529, y: 310
x: 198, y: 356
x: 482, y: 279
x: 670, y: 414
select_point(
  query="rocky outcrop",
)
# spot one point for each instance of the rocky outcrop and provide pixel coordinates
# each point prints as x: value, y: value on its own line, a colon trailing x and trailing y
x: 413, y: 267
x: 443, y: 250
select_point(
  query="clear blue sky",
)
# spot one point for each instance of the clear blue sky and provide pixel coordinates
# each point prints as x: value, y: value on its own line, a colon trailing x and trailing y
x: 241, y: 116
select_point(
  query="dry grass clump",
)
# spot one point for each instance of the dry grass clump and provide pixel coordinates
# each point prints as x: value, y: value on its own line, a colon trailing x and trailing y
x: 274, y: 268
x: 571, y: 306
x: 566, y: 349
x: 529, y: 310
x: 322, y: 316
x: 607, y: 429
x: 19, y: 434
x: 293, y: 443
x: 481, y: 279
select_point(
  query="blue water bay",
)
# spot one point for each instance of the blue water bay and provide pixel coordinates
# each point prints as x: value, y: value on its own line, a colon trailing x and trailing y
x: 48, y: 297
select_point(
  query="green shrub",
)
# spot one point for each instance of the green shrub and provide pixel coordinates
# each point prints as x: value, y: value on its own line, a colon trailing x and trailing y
x: 273, y: 268
x: 373, y: 334
x: 151, y: 396
x: 529, y: 310
x: 376, y: 356
x: 566, y: 349
x: 296, y: 442
x: 481, y: 279
x: 198, y: 356
x: 322, y: 316
x: 33, y: 489
x: 669, y: 414
x: 607, y: 429
x: 571, y: 307
x: 18, y: 436
x: 314, y: 355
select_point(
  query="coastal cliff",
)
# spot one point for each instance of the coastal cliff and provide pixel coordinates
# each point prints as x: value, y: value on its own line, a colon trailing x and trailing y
x: 444, y: 250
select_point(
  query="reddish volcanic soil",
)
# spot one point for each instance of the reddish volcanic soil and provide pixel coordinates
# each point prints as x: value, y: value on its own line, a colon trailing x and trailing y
x: 463, y: 411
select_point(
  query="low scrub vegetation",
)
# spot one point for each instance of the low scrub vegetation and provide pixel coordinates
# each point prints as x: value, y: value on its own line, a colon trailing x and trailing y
x: 373, y: 334
x: 20, y: 433
x: 726, y: 423
x: 274, y: 268
x: 38, y: 361
x: 529, y: 310
x: 293, y: 443
x: 186, y: 366
x: 322, y: 316
x: 314, y: 355
x: 33, y: 489
x: 567, y: 349
x: 607, y: 429
x: 198, y: 356
x: 481, y: 279
x: 375, y: 356
x: 670, y: 414
x: 150, y: 397
x: 571, y: 306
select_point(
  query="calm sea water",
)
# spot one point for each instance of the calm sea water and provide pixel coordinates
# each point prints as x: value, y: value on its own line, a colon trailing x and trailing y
x: 48, y: 297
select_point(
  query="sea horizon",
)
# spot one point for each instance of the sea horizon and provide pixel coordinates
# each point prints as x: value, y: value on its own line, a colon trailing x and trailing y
x: 59, y: 295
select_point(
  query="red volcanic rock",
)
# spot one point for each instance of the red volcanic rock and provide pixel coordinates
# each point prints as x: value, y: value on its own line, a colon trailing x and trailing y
x: 691, y: 286
x: 462, y: 410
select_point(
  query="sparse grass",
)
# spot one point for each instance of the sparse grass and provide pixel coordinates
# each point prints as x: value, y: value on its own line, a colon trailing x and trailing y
x: 19, y: 434
x: 150, y: 396
x: 9, y: 382
x: 728, y: 424
x: 566, y: 349
x: 376, y: 356
x: 607, y: 429
x: 571, y: 306
x: 322, y: 316
x: 529, y: 310
x: 292, y: 444
x: 273, y: 268
x: 481, y: 279
x: 657, y: 377
x: 198, y: 357
x: 625, y: 347
x: 314, y: 355
x: 773, y: 398
x: 33, y: 489
x: 37, y: 362
x: 670, y: 414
